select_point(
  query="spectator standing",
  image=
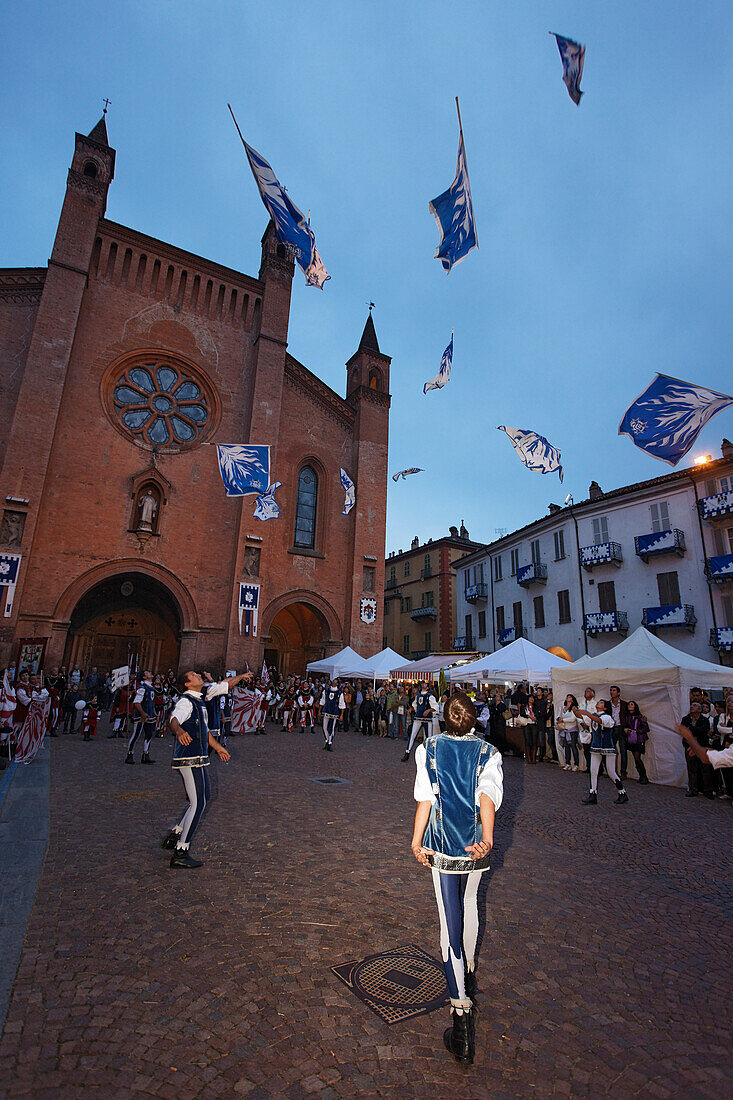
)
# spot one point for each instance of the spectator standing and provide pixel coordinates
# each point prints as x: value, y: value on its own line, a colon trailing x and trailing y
x: 725, y: 741
x: 616, y: 707
x: 540, y: 710
x: 699, y: 774
x: 527, y: 711
x: 567, y: 725
x: 636, y: 731
x: 71, y: 698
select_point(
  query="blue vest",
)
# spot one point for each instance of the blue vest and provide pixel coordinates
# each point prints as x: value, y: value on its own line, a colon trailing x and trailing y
x: 422, y: 705
x: 332, y: 701
x: 148, y: 701
x: 454, y: 766
x: 213, y: 709
x: 195, y: 755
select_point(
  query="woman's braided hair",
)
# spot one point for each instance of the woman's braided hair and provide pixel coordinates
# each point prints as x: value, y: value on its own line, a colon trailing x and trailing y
x: 459, y: 714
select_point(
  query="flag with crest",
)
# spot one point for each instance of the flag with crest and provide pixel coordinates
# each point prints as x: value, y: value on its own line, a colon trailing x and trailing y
x: 244, y: 468
x: 443, y: 374
x: 572, y: 55
x: 453, y: 211
x: 534, y: 450
x: 666, y: 419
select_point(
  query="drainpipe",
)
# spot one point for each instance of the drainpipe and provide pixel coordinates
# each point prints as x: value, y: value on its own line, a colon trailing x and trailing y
x: 493, y: 618
x: 705, y: 557
x: 580, y: 578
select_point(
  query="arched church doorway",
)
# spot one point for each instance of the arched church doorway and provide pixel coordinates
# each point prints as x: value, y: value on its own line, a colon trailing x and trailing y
x: 130, y: 613
x: 298, y: 634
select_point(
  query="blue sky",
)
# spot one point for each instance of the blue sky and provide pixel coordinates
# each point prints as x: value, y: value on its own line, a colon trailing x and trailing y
x: 605, y: 230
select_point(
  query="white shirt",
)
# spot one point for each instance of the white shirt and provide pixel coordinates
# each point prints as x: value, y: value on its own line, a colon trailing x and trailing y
x: 616, y: 713
x: 490, y: 782
x: 342, y: 701
x: 183, y: 709
x: 721, y: 758
x: 569, y: 721
x: 140, y: 693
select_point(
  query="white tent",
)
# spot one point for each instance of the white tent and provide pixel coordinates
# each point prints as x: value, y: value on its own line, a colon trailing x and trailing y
x: 658, y: 677
x: 381, y: 664
x: 346, y: 662
x: 520, y: 660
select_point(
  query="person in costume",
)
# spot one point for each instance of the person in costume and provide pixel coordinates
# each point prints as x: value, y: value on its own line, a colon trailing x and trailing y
x: 306, y: 701
x: 89, y: 719
x: 144, y: 715
x: 119, y: 711
x: 289, y: 698
x: 425, y: 707
x: 333, y: 706
x: 189, y: 723
x: 56, y: 685
x: 602, y: 747
x: 458, y: 789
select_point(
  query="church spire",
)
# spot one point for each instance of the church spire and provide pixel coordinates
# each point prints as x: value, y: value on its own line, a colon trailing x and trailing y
x: 99, y: 133
x: 368, y: 340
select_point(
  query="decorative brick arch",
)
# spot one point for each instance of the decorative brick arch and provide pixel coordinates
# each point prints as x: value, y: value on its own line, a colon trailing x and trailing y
x: 310, y: 599
x: 83, y: 584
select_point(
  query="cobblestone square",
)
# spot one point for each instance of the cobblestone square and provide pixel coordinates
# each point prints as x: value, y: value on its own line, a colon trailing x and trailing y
x: 604, y: 966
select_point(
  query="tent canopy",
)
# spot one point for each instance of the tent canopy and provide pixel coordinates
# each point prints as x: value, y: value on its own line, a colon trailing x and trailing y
x: 658, y: 677
x: 428, y: 665
x: 346, y: 662
x: 520, y: 660
x: 381, y: 664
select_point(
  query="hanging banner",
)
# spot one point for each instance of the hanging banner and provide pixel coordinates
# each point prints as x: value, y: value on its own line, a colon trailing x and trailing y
x: 249, y: 602
x: 9, y: 566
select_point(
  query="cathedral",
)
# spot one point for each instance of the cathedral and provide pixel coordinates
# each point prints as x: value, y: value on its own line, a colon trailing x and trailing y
x: 121, y: 361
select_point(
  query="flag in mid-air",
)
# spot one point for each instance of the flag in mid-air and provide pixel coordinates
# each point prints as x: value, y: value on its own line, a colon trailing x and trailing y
x: 266, y: 507
x: 348, y: 486
x: 265, y: 675
x: 403, y: 473
x: 443, y: 374
x: 666, y: 419
x: 244, y: 468
x: 572, y: 55
x: 534, y: 450
x: 453, y: 211
x: 292, y: 228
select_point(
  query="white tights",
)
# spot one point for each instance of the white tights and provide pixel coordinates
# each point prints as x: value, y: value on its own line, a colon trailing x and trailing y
x: 595, y: 767
x: 456, y: 896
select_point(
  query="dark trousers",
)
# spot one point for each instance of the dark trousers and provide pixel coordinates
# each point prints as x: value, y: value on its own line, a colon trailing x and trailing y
x: 699, y: 776
x: 639, y: 761
x: 551, y: 742
x: 69, y: 721
x: 571, y: 747
x: 619, y: 740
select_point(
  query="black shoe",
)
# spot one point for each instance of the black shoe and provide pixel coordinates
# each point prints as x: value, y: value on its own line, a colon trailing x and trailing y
x: 471, y: 984
x: 591, y: 800
x: 325, y: 746
x: 643, y: 782
x: 129, y: 759
x: 622, y: 799
x: 145, y: 759
x: 170, y: 841
x: 405, y: 758
x: 329, y: 747
x: 86, y: 737
x: 459, y: 1039
x: 181, y: 858
x: 690, y: 794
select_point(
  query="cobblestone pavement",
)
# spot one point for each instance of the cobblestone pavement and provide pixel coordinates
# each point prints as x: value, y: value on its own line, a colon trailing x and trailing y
x: 605, y: 965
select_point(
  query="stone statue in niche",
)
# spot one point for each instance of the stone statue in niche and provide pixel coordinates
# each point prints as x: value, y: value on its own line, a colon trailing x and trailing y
x: 251, y: 563
x: 11, y: 532
x: 147, y: 506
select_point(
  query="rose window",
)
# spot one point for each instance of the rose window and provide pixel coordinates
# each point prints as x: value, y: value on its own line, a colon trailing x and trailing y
x: 161, y: 404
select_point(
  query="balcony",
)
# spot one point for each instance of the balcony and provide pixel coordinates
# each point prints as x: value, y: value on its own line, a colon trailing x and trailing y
x: 509, y: 634
x: 717, y: 507
x: 679, y: 615
x: 720, y: 570
x: 424, y: 613
x: 660, y: 542
x: 426, y: 573
x: 391, y: 582
x: 534, y: 573
x: 474, y: 592
x: 721, y: 637
x: 607, y: 622
x: 603, y: 553
x: 465, y: 642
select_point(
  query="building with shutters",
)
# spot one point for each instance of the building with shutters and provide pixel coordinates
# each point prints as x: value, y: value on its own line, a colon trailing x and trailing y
x: 658, y: 553
x: 119, y: 362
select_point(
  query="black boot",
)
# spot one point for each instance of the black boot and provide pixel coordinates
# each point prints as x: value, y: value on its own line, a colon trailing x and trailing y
x: 170, y: 841
x: 145, y: 759
x: 182, y: 859
x: 591, y: 800
x: 459, y: 1039
x: 405, y: 758
x: 129, y: 759
x: 622, y: 795
x: 471, y: 984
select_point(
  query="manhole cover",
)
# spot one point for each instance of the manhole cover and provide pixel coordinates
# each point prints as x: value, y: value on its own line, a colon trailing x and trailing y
x: 330, y: 779
x: 397, y: 985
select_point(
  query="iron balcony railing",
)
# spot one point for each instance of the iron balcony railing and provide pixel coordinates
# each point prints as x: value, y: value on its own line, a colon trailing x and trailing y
x: 607, y: 622
x: 660, y: 542
x: 534, y: 573
x: 719, y: 570
x: 475, y: 592
x: 602, y: 553
x: 721, y: 637
x: 464, y: 641
x: 716, y: 507
x: 680, y: 615
x: 429, y: 612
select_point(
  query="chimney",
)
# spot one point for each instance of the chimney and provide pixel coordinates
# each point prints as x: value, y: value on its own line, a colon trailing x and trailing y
x: 594, y: 490
x: 453, y: 532
x: 463, y: 531
x: 415, y: 543
x: 554, y: 508
x: 726, y: 449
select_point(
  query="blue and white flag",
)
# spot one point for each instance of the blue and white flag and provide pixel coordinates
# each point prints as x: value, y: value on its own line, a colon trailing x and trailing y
x: 453, y: 211
x: 9, y: 566
x: 244, y: 468
x: 249, y: 602
x: 266, y: 507
x: 443, y: 374
x: 534, y: 450
x: 666, y: 419
x: 350, y: 491
x: 292, y: 228
x: 572, y: 55
x: 403, y: 473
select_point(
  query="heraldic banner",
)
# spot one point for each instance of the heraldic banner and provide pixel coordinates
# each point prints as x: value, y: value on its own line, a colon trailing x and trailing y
x: 31, y: 734
x: 249, y: 710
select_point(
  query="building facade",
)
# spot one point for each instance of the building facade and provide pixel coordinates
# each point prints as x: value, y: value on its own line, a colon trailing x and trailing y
x: 120, y: 361
x: 657, y: 553
x: 420, y: 595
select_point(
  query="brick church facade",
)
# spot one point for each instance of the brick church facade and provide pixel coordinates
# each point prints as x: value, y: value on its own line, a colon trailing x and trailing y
x: 119, y: 361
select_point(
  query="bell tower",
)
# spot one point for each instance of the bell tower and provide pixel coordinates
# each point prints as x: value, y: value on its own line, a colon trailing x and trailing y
x: 367, y: 366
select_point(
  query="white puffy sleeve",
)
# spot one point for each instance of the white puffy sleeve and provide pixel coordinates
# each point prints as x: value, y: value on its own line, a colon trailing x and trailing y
x: 423, y: 786
x: 491, y: 780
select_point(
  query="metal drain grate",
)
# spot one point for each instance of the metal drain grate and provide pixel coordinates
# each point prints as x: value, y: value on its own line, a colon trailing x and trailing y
x: 325, y: 779
x: 396, y: 985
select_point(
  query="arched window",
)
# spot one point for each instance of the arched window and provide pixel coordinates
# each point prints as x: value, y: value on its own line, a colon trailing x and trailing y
x: 305, y: 508
x: 375, y: 381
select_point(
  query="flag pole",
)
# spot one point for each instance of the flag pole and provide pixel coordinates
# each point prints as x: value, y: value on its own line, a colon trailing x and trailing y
x: 244, y: 144
x: 465, y: 161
